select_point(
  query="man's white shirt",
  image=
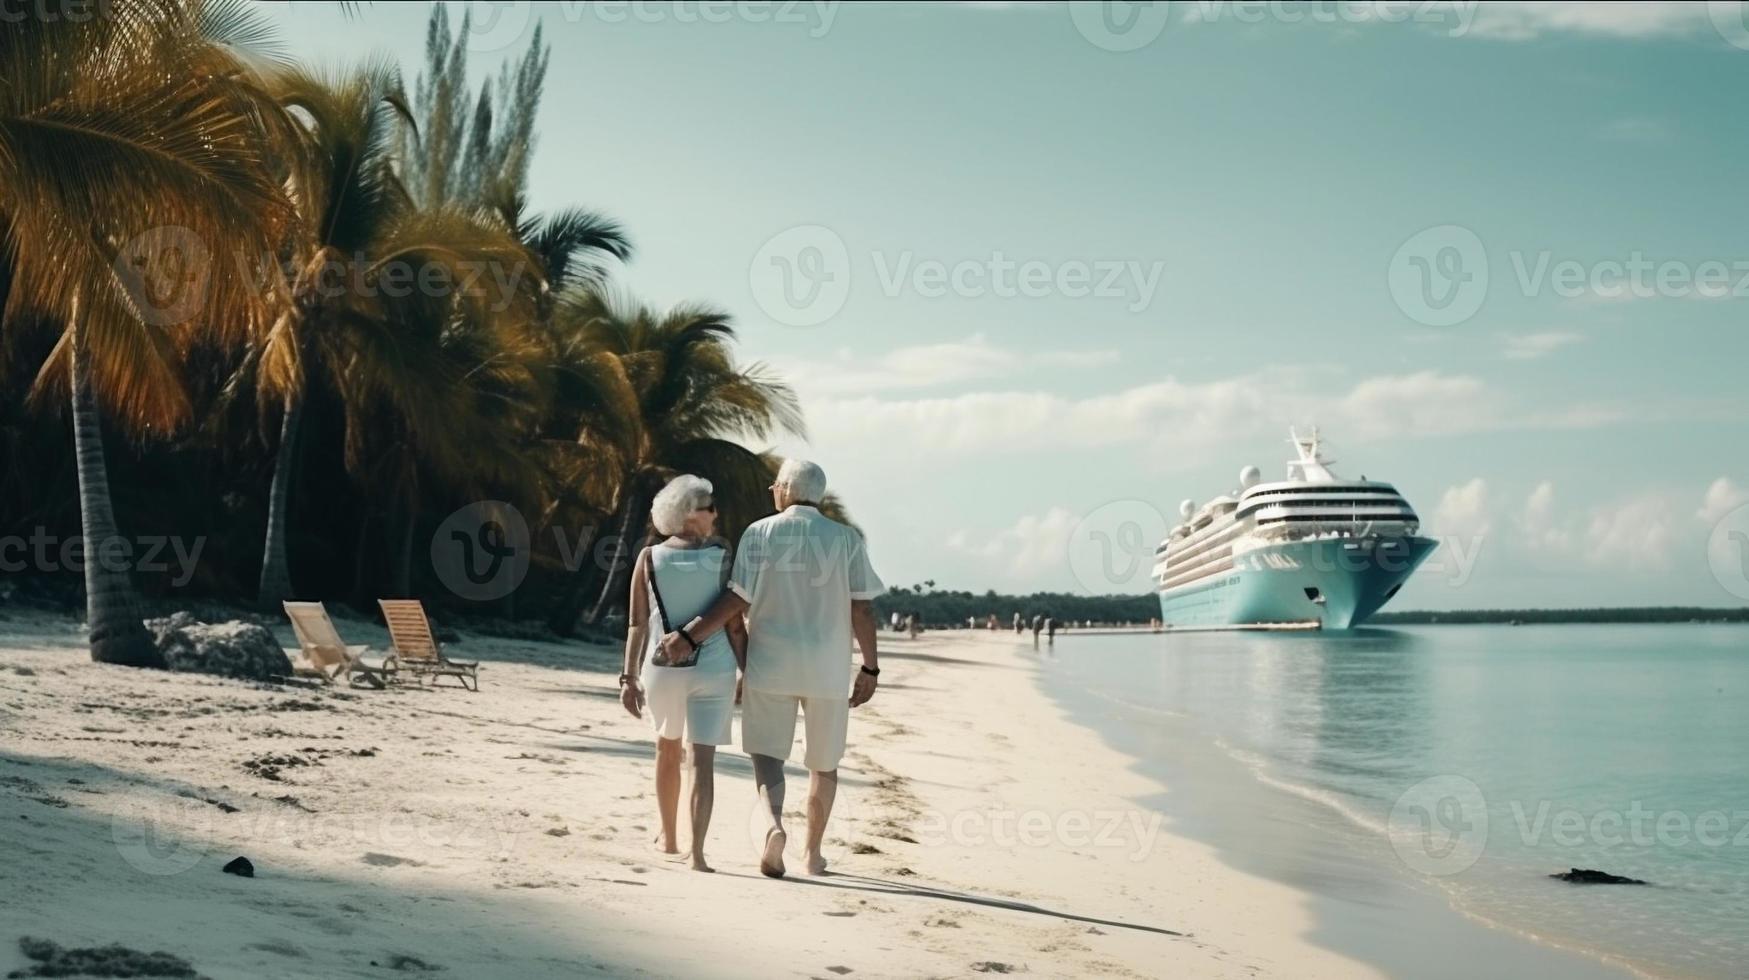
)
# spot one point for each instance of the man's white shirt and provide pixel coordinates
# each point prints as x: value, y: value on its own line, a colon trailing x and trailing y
x: 798, y: 571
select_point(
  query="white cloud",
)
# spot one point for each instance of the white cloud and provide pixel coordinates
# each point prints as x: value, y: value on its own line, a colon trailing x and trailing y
x: 1722, y: 496
x: 1166, y: 419
x: 1025, y: 550
x: 1527, y: 21
x: 1540, y: 528
x: 1637, y: 534
x: 1462, y: 511
x: 1528, y: 346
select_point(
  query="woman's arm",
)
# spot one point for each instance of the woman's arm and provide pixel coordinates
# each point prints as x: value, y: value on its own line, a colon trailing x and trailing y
x: 631, y: 693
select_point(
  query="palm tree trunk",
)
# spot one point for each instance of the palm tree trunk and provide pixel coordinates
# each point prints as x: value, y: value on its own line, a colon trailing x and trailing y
x: 276, y: 584
x: 564, y: 618
x: 631, y: 529
x: 112, y: 608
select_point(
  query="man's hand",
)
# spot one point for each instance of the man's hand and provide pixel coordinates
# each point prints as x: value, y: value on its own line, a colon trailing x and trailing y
x: 864, y: 689
x: 673, y: 649
x: 631, y: 696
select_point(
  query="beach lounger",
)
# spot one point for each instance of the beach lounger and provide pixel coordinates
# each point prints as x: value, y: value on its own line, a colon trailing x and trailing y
x: 416, y: 649
x: 327, y: 656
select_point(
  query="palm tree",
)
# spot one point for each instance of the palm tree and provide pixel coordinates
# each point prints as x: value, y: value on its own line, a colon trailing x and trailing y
x: 347, y: 193
x: 691, y: 404
x: 133, y: 155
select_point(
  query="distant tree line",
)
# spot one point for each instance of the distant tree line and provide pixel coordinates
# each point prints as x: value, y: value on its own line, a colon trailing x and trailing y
x: 949, y: 607
x: 1636, y: 614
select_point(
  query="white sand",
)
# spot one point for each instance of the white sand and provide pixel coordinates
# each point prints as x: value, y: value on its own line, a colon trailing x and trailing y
x: 507, y: 833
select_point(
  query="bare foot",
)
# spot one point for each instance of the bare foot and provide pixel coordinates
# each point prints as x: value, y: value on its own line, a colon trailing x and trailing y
x: 699, y: 865
x: 771, y: 862
x: 816, y: 863
x: 664, y: 847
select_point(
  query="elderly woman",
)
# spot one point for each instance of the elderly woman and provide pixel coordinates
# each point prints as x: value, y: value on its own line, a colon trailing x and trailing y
x: 674, y: 581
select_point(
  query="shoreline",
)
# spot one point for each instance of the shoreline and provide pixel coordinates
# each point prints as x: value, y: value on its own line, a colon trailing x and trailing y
x: 506, y: 833
x: 1204, y: 783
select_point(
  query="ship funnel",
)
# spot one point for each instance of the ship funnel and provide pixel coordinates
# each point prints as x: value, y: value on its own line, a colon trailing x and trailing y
x: 1249, y: 477
x: 1186, y: 509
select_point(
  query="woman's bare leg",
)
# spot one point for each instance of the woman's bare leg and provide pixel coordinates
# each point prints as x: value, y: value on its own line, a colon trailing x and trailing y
x: 704, y: 794
x: 668, y: 753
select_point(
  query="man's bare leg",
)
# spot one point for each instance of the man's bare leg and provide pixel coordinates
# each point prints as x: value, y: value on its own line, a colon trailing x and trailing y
x: 768, y: 774
x: 668, y: 753
x: 704, y: 794
x: 822, y: 792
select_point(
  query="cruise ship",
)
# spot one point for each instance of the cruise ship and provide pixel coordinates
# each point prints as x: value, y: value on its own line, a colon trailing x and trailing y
x: 1313, y: 551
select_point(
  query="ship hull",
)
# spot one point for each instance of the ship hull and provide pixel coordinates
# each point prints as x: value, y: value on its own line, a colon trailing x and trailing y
x: 1330, y: 583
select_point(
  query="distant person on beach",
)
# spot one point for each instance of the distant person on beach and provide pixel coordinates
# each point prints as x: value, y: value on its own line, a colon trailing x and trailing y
x: 677, y: 579
x: 1038, y: 623
x: 1017, y: 624
x: 806, y: 586
x: 1050, y: 629
x: 913, y: 625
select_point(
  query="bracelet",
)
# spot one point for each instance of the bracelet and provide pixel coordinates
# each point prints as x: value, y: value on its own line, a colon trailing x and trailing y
x: 687, y: 637
x: 871, y: 671
x: 625, y: 679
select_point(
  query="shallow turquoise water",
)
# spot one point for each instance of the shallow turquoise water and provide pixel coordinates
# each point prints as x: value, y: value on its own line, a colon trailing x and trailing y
x: 1477, y: 760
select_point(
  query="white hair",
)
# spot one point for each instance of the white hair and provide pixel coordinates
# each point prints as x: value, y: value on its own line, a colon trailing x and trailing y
x: 804, y: 480
x: 676, y: 501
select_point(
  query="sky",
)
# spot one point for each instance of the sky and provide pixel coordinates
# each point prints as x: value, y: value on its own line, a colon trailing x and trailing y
x: 1039, y: 272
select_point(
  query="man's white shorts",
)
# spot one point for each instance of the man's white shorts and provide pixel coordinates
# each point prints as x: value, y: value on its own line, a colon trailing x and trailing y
x: 768, y: 726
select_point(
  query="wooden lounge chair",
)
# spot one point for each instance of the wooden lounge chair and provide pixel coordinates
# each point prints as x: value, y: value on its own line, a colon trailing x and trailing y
x: 328, y: 657
x: 416, y: 649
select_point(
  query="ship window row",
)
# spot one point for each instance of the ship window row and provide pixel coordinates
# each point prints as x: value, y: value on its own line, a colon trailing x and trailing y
x: 1326, y: 504
x: 1251, y: 495
x: 1400, y: 517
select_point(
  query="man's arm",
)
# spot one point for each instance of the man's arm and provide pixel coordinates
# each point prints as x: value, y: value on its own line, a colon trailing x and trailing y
x: 862, y: 623
x: 727, y: 606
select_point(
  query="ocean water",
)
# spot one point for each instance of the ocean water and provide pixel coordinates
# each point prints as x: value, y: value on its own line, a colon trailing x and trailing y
x: 1468, y: 763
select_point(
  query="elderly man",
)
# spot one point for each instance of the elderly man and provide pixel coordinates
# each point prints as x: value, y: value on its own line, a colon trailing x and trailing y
x: 805, y: 584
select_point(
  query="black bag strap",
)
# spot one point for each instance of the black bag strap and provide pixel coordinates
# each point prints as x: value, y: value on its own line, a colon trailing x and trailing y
x: 650, y: 574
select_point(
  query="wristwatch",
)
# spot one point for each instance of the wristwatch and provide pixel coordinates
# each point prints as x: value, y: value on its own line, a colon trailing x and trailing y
x: 871, y: 671
x: 625, y: 679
